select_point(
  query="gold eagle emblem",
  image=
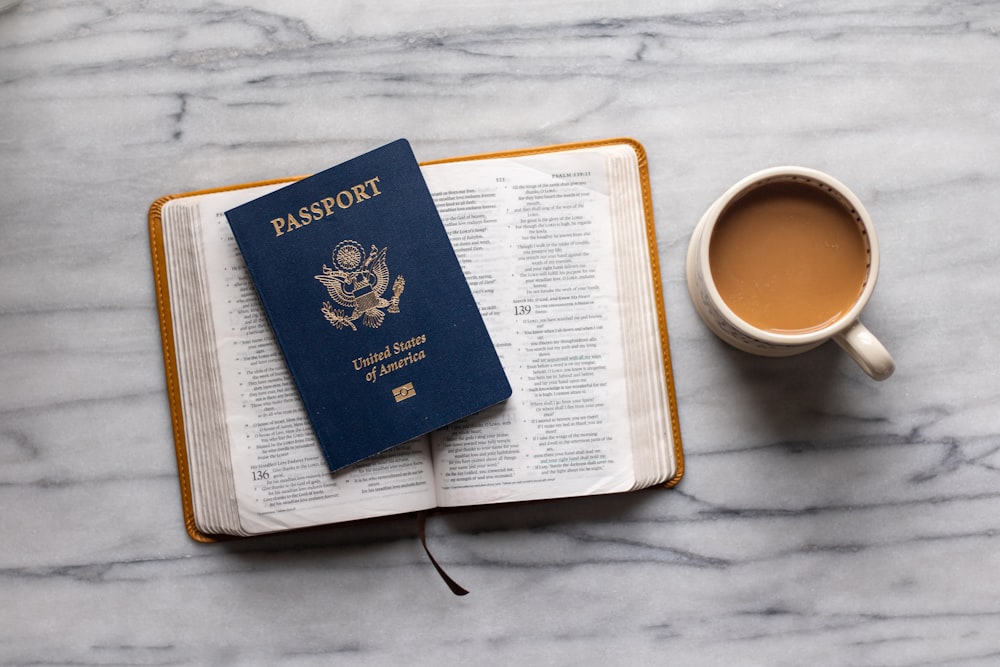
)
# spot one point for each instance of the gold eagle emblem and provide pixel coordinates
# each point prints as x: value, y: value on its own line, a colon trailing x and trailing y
x: 357, y: 282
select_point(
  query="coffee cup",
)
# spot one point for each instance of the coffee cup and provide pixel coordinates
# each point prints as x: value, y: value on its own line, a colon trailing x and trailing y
x: 784, y: 261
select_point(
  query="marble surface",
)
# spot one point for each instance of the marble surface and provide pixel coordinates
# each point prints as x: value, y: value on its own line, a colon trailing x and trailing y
x: 824, y: 519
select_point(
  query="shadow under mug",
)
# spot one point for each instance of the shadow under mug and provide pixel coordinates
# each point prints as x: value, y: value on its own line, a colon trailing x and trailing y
x: 846, y: 330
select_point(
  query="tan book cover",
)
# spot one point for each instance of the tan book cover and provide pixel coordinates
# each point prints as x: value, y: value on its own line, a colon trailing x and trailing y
x: 166, y: 308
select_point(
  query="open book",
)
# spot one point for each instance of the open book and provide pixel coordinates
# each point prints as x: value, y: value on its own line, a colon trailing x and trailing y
x: 558, y: 246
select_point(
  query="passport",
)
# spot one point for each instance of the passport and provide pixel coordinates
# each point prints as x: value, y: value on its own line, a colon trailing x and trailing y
x: 369, y: 304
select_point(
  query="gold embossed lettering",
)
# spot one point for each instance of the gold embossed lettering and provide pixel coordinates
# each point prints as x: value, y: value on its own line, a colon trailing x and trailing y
x: 326, y: 206
x: 359, y: 192
x: 344, y: 199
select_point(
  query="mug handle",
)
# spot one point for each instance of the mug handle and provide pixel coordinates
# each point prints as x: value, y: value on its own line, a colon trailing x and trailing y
x: 866, y: 350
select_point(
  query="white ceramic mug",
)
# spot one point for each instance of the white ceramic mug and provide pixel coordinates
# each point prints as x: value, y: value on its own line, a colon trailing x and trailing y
x: 846, y: 330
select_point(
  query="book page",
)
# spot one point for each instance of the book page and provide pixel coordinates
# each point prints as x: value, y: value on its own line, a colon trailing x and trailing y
x: 534, y: 237
x: 280, y: 476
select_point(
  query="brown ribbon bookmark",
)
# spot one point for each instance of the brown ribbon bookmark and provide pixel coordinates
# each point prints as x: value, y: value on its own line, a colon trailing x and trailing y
x: 421, y: 531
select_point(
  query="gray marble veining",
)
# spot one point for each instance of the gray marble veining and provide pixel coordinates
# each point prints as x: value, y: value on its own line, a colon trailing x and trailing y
x: 824, y: 519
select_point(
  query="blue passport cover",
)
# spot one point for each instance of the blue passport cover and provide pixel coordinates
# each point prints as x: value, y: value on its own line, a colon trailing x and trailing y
x: 369, y: 304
